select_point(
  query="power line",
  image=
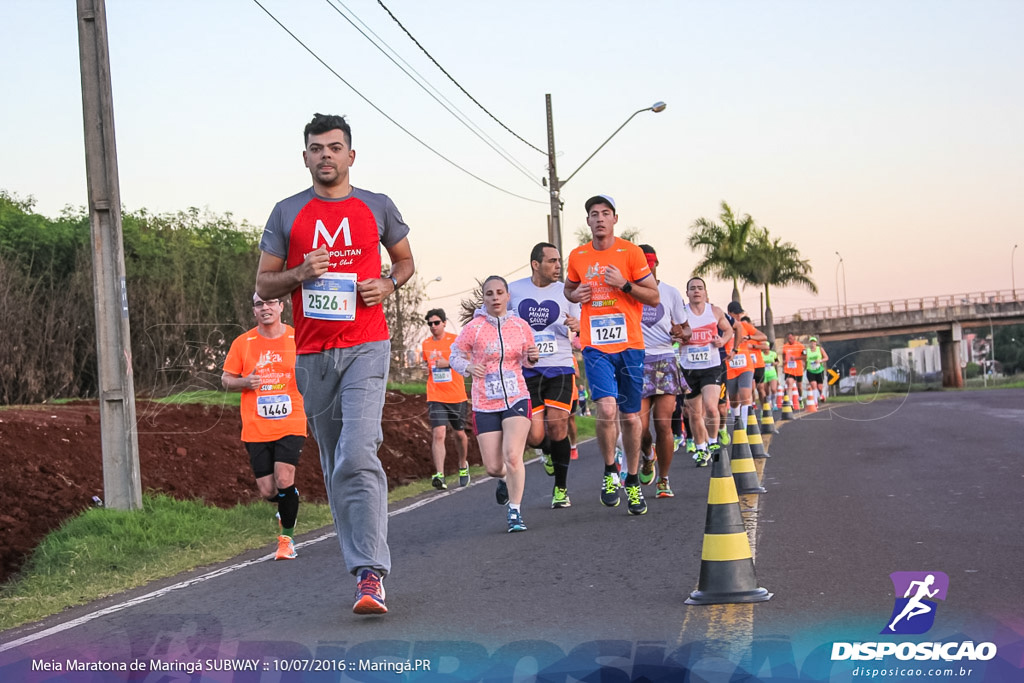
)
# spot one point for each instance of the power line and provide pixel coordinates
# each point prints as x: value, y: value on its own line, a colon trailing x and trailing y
x: 464, y: 120
x: 384, y: 114
x: 473, y: 289
x: 455, y: 81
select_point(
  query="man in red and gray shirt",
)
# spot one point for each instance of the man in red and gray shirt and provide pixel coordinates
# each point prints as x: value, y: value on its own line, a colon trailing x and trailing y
x: 322, y: 247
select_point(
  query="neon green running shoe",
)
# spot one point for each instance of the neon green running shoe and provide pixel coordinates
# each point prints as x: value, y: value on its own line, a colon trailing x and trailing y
x: 723, y: 436
x: 560, y: 498
x: 647, y: 469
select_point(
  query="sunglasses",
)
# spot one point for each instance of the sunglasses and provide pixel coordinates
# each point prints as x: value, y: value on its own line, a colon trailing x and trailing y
x: 434, y: 323
x: 268, y: 302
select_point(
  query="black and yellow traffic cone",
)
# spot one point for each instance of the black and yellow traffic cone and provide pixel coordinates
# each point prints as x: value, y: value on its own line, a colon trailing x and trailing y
x: 742, y: 466
x: 754, y: 435
x: 726, y: 563
x: 787, y: 409
x: 767, y: 419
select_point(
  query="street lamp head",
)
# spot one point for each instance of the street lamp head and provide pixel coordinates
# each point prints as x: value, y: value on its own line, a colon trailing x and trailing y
x: 437, y: 279
x: 658, y: 106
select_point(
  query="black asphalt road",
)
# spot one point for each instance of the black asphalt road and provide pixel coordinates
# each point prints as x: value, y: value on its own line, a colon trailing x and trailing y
x: 927, y: 483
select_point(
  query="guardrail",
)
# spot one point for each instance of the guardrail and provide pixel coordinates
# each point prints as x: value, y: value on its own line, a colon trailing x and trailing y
x: 902, y: 305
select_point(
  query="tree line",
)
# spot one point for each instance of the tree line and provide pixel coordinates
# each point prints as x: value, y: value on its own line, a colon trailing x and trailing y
x: 189, y: 275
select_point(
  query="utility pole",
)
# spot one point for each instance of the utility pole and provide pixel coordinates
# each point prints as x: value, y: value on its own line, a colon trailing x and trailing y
x: 554, y: 220
x: 122, y: 485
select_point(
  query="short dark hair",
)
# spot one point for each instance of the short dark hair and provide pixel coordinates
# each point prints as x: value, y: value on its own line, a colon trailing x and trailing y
x: 439, y: 312
x: 647, y: 249
x: 696, y: 278
x: 538, y: 251
x: 322, y: 123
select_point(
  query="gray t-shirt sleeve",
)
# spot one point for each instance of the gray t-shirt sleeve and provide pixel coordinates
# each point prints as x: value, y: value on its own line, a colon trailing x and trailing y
x: 394, y: 229
x: 274, y: 241
x: 279, y: 225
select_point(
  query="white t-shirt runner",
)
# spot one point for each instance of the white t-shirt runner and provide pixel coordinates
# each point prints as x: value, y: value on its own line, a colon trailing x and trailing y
x: 544, y: 310
x: 656, y: 322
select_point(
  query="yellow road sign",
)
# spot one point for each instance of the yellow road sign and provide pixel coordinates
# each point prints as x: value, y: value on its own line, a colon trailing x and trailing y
x: 833, y: 376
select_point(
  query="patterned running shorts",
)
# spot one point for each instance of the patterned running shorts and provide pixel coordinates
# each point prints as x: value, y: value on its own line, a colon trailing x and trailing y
x: 662, y: 376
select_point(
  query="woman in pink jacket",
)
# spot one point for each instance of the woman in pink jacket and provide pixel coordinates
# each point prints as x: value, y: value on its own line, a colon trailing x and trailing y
x: 492, y: 348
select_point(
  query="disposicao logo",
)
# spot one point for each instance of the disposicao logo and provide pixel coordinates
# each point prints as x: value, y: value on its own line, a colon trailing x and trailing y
x: 915, y: 612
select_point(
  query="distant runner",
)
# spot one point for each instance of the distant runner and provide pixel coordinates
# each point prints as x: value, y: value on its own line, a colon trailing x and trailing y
x: 793, y: 354
x: 702, y: 368
x: 447, y: 403
x: 816, y: 359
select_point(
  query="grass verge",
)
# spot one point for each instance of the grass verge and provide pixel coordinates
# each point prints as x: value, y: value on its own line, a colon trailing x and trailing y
x: 410, y: 388
x: 102, y: 552
x: 205, y: 397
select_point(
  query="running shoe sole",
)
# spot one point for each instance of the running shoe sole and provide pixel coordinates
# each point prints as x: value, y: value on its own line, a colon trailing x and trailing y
x: 368, y: 605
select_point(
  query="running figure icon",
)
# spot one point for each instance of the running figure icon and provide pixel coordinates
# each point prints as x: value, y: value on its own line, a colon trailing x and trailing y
x: 915, y: 607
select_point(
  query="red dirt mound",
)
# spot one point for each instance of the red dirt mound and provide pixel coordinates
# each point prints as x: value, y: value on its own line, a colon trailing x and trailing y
x: 51, y: 464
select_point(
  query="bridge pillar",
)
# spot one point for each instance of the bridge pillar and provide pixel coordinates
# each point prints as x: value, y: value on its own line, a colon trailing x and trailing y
x: 949, y: 352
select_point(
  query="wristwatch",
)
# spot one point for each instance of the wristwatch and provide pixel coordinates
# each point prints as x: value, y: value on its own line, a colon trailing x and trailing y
x: 393, y: 281
x: 627, y: 288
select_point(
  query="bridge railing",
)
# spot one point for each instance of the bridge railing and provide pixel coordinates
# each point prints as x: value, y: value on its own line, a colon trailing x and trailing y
x: 902, y: 305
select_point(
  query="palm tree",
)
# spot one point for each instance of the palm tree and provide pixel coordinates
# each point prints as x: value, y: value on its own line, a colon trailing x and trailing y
x: 724, y: 246
x: 772, y: 262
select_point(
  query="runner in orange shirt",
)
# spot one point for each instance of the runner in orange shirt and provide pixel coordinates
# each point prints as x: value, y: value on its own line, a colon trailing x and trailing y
x: 793, y: 353
x: 446, y: 399
x: 611, y: 280
x: 261, y: 364
x: 741, y: 350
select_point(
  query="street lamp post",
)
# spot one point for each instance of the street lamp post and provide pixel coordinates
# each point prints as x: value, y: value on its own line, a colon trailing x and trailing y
x: 843, y: 264
x: 555, y: 185
x: 1013, y: 278
x: 432, y: 281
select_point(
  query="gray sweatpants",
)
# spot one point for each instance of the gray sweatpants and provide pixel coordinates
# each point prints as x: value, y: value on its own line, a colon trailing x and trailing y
x: 343, y: 391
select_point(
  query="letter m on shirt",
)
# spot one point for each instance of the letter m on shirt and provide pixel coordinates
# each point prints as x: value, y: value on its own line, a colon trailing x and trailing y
x: 329, y: 238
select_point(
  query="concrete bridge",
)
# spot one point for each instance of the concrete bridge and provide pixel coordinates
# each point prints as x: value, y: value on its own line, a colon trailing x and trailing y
x: 947, y: 315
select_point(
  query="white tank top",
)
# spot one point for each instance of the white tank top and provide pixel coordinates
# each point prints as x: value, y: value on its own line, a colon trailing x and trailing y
x: 699, y: 353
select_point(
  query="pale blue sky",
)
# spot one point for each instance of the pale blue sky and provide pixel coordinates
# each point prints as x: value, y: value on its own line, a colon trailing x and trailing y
x: 890, y: 131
